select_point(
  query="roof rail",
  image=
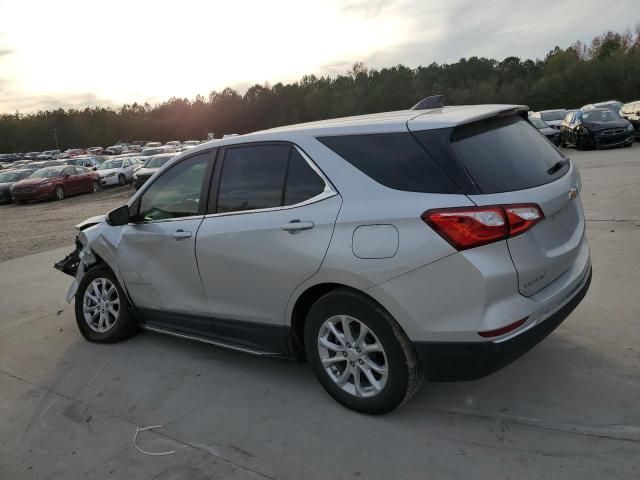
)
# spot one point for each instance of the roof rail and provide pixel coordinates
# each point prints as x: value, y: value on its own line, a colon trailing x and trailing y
x: 434, y: 101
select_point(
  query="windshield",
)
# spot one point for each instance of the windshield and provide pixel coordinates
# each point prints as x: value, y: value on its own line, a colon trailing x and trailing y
x: 110, y: 164
x: 538, y: 122
x: 600, y: 116
x: 9, y: 177
x: 157, y: 162
x: 554, y: 115
x: 52, y: 172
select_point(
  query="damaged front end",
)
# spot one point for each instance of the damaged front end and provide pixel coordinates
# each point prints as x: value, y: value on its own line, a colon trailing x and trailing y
x: 78, y: 262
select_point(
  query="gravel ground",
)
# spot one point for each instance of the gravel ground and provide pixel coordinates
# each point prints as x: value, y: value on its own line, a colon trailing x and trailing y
x: 41, y: 226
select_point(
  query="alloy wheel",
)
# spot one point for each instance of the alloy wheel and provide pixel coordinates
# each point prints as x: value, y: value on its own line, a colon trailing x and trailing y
x: 59, y: 193
x: 101, y: 305
x: 352, y: 356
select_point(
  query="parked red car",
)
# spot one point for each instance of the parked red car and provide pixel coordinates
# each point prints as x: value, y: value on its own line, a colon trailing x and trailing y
x: 55, y: 183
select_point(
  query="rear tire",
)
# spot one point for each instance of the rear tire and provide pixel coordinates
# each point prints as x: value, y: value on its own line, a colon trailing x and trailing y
x: 102, y: 308
x: 375, y: 350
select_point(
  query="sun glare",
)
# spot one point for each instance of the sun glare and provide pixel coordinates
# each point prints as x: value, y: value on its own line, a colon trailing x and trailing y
x: 136, y: 51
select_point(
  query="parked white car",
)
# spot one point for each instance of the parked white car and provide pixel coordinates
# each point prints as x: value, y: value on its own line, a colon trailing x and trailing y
x: 116, y: 171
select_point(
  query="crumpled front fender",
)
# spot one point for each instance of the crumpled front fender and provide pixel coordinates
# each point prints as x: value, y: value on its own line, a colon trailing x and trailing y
x: 99, y: 244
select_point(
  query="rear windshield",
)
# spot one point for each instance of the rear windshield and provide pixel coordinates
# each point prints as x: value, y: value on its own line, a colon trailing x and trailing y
x: 506, y: 154
x: 395, y: 160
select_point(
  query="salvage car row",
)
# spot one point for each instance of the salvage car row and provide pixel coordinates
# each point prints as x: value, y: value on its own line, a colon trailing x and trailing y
x: 58, y: 179
x: 597, y: 125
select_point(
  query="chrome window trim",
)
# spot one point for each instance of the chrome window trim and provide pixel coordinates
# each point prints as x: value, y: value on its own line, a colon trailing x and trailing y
x: 165, y: 220
x: 328, y: 192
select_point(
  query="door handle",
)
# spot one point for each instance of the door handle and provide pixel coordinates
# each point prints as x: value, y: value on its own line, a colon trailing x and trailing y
x: 180, y: 234
x: 295, y: 226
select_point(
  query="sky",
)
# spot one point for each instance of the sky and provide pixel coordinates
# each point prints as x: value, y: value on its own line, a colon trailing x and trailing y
x: 77, y: 53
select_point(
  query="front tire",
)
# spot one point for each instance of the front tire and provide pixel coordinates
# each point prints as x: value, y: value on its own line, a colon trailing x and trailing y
x: 102, y: 308
x: 359, y: 354
x: 58, y: 193
x: 95, y: 187
x: 122, y: 179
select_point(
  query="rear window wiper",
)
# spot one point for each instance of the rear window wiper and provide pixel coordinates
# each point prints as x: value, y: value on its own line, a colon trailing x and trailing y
x: 558, y: 165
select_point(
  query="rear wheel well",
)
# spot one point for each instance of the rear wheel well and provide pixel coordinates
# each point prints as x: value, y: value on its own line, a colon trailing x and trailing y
x: 301, y: 309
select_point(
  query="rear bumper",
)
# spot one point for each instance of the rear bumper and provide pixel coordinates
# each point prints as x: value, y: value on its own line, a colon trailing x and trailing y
x: 456, y: 361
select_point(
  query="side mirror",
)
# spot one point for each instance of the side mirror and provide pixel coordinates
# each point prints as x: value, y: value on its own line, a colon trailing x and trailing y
x: 119, y: 216
x: 66, y: 175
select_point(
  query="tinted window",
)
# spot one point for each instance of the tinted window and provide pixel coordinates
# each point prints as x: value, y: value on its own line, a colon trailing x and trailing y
x: 303, y: 182
x: 505, y: 154
x: 395, y: 160
x: 176, y: 193
x: 252, y: 177
x: 69, y: 171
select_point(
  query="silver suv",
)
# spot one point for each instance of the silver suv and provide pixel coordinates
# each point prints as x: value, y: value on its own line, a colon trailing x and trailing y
x: 439, y: 243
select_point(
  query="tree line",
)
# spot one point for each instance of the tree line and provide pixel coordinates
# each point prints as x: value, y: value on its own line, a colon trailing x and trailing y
x: 607, y: 68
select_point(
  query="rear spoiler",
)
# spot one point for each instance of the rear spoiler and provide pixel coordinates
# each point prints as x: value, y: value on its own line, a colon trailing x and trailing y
x: 454, y: 116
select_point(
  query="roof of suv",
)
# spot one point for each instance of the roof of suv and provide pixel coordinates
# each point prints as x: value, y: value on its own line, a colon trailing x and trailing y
x: 431, y: 118
x: 387, y: 122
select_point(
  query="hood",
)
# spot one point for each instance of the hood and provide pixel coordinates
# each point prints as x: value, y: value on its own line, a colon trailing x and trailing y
x: 549, y: 131
x: 32, y: 182
x: 555, y: 123
x: 104, y: 173
x: 620, y: 123
x: 90, y: 222
x: 4, y: 185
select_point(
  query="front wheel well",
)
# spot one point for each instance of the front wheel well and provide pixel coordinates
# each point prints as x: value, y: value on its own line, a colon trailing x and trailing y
x: 301, y: 309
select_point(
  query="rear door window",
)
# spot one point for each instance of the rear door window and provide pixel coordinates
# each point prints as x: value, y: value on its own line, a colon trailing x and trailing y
x: 506, y: 154
x: 252, y: 177
x: 395, y: 160
x: 255, y: 177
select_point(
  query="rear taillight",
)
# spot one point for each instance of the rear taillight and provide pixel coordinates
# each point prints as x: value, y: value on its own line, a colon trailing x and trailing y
x: 469, y: 227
